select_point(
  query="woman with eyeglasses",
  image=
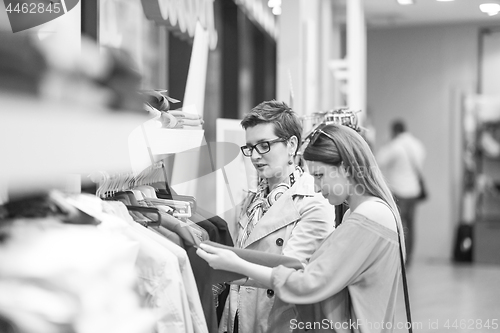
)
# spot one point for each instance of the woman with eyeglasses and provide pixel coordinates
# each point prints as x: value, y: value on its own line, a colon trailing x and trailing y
x: 350, y: 283
x: 283, y: 216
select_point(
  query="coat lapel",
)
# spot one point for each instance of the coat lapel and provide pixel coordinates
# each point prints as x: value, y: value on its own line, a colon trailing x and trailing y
x: 284, y: 211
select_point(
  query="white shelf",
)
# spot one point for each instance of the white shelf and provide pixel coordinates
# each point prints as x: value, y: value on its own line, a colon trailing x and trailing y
x: 40, y: 140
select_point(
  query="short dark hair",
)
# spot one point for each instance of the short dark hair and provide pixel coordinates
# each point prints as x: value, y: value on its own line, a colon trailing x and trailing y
x: 285, y: 120
x: 398, y: 127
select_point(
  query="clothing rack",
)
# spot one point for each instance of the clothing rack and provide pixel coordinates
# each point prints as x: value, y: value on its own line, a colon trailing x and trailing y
x: 108, y: 185
x: 342, y: 116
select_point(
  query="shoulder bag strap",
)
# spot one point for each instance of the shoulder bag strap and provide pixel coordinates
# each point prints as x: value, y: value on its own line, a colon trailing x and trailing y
x: 403, y: 275
x: 405, y: 286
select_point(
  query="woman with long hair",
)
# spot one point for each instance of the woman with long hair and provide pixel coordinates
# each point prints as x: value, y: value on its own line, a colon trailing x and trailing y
x: 350, y: 283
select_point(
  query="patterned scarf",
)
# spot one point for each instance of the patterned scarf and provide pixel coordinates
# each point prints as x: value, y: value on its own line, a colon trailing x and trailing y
x: 261, y: 202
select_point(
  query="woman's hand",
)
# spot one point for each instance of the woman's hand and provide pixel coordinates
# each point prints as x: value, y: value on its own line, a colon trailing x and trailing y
x: 219, y: 258
x: 228, y: 260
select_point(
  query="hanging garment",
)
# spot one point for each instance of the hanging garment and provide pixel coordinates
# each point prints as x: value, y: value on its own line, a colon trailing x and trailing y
x: 58, y: 278
x: 170, y: 235
x: 193, y: 308
x: 223, y: 231
x: 160, y: 282
x: 218, y: 232
x: 188, y: 232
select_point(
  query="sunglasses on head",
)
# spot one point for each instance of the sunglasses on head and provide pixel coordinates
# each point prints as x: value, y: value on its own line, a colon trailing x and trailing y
x: 314, y: 135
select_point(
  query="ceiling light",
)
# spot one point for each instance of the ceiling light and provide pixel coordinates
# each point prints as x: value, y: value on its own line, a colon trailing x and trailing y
x: 445, y: 0
x: 490, y: 8
x: 273, y: 3
x: 406, y: 2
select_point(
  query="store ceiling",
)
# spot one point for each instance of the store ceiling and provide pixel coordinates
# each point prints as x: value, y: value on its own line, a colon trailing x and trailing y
x: 388, y: 13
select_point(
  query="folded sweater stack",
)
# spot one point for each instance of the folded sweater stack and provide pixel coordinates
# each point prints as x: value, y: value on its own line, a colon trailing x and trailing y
x: 158, y: 103
x: 180, y: 119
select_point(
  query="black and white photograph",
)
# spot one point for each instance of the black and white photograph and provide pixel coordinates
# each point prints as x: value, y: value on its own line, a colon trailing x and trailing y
x: 249, y: 166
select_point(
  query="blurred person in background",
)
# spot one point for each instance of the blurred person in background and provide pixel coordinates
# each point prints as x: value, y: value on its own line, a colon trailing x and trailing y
x: 401, y: 161
x: 283, y: 216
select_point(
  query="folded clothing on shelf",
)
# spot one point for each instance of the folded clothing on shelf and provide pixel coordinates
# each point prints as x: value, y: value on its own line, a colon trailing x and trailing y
x: 490, y: 142
x: 23, y: 64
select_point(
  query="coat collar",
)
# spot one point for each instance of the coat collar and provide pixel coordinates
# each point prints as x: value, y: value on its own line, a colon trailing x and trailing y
x: 283, y: 212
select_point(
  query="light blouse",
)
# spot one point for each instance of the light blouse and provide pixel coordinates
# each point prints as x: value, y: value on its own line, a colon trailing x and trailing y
x: 350, y: 283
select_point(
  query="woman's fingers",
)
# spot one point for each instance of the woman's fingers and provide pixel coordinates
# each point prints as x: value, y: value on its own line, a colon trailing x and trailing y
x: 222, y: 254
x: 202, y: 254
x: 207, y: 252
x: 218, y: 258
x: 208, y: 257
x: 208, y: 248
x: 212, y: 259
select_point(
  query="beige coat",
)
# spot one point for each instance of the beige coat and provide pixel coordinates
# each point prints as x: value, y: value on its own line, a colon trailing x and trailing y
x: 294, y: 226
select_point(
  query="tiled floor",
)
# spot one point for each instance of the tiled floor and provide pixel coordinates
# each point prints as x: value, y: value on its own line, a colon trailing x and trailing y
x: 452, y: 298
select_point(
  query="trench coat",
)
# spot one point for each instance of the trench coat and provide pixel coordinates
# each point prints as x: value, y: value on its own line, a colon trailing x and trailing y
x: 295, y: 226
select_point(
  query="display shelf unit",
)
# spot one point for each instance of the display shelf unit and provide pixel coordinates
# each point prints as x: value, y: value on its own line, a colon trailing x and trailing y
x: 42, y: 142
x: 486, y: 235
x: 487, y: 228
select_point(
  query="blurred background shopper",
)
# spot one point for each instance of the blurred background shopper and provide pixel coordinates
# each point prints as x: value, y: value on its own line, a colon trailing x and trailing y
x: 401, y: 161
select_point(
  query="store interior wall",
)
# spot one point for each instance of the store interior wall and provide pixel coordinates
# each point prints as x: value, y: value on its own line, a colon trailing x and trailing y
x: 418, y: 74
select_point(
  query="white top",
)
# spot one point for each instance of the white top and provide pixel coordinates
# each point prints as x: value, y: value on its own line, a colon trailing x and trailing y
x: 351, y: 282
x: 398, y: 160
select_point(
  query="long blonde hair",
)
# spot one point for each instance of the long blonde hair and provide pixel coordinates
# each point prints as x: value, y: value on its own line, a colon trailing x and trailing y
x: 348, y: 147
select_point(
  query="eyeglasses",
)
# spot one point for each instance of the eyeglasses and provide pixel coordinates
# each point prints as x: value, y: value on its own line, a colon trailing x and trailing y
x: 261, y: 147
